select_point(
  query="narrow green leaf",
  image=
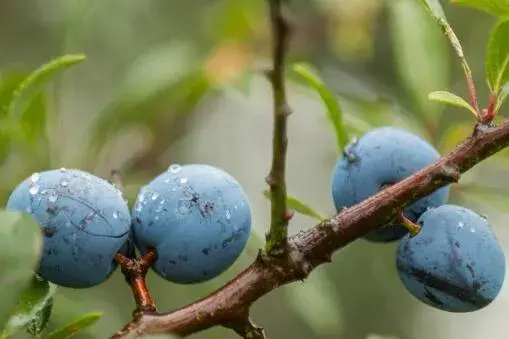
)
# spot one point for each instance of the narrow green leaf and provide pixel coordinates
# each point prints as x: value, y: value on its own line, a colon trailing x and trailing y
x: 31, y: 86
x: 33, y: 307
x: 497, y: 56
x: 421, y: 70
x: 40, y: 320
x: 75, y: 326
x: 494, y: 7
x: 504, y: 93
x: 451, y: 99
x: 308, y: 77
x: 20, y: 247
x: 299, y: 206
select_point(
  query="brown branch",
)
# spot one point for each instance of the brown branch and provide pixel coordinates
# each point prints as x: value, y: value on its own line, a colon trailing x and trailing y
x: 280, y: 215
x: 313, y: 247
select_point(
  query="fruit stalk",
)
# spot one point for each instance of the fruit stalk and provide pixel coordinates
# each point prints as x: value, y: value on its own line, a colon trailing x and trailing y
x: 315, y: 246
x: 280, y: 214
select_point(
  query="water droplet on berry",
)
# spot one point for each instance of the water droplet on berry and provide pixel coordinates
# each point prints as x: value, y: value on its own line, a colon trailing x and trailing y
x: 228, y: 215
x: 155, y: 196
x: 460, y: 224
x: 64, y: 183
x: 34, y: 177
x: 53, y: 196
x: 115, y: 214
x: 183, y: 180
x: 174, y: 168
x: 34, y: 189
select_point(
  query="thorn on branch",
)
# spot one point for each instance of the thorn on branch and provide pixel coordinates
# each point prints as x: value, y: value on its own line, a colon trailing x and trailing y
x: 247, y: 329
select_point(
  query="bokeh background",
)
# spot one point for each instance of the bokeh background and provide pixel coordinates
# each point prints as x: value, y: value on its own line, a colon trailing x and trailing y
x: 180, y: 82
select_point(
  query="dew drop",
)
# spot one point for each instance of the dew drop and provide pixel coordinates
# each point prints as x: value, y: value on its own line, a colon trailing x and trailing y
x: 183, y: 206
x: 472, y: 230
x: 64, y: 183
x: 460, y: 224
x: 141, y: 198
x: 34, y: 177
x: 34, y: 189
x: 115, y: 214
x: 154, y: 196
x: 183, y: 180
x: 53, y: 196
x: 167, y: 180
x: 228, y: 215
x: 174, y: 168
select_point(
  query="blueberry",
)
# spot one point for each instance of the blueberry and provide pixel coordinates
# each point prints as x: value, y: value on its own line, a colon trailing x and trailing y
x: 384, y: 156
x: 198, y: 219
x: 454, y: 263
x: 84, y: 220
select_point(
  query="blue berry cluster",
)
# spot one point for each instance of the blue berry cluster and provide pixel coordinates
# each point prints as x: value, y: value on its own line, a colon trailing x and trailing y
x: 196, y: 218
x: 454, y: 263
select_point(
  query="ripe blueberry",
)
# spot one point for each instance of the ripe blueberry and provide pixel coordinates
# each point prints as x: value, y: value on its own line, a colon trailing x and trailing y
x: 198, y: 219
x: 384, y: 156
x: 84, y: 220
x: 454, y: 263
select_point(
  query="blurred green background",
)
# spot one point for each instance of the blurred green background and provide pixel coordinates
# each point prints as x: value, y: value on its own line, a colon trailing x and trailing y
x: 180, y: 82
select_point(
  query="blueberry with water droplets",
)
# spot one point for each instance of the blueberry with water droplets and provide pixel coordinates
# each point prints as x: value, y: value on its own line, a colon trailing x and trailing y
x: 384, y: 156
x: 196, y: 217
x: 84, y: 220
x: 454, y: 263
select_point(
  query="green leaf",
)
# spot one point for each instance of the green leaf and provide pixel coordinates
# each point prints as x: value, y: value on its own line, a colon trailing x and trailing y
x: 421, y: 70
x: 20, y: 248
x: 451, y: 99
x: 32, y: 85
x: 39, y: 322
x: 494, y: 7
x: 497, y: 56
x: 504, y: 93
x: 299, y: 206
x: 33, y: 307
x: 308, y: 77
x: 75, y: 326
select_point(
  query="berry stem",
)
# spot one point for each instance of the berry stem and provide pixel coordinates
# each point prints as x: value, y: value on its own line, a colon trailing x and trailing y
x: 412, y: 227
x: 278, y: 232
x: 135, y: 271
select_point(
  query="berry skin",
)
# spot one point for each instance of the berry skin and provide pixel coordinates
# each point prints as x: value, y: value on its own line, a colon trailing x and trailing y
x: 84, y: 220
x: 198, y: 219
x: 454, y: 263
x: 384, y: 156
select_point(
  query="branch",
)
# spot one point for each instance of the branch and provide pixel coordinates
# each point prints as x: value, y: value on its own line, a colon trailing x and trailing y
x: 311, y: 248
x: 280, y: 215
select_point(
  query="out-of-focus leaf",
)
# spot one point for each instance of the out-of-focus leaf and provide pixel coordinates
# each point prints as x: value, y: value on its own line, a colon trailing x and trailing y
x: 421, y: 70
x: 299, y: 206
x: 307, y: 76
x: 318, y: 305
x: 33, y: 307
x: 434, y: 8
x: 32, y: 85
x: 455, y: 134
x: 161, y: 336
x: 235, y: 20
x: 160, y: 88
x: 76, y: 326
x: 20, y: 247
x: 494, y: 7
x: 504, y: 92
x: 379, y: 336
x: 497, y: 56
x: 451, y: 99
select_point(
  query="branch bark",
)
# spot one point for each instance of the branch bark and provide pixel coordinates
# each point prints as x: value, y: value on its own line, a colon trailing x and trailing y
x: 311, y: 248
x: 280, y: 215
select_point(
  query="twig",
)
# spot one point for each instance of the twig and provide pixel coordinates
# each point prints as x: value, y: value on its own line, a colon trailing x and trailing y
x: 245, y: 328
x: 309, y: 249
x: 280, y: 215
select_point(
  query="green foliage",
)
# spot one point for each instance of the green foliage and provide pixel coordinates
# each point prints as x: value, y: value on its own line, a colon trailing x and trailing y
x: 451, y: 99
x: 160, y: 336
x: 307, y: 76
x: 497, y: 56
x: 494, y: 7
x: 421, y: 70
x: 502, y: 96
x: 31, y: 86
x: 33, y: 307
x: 20, y: 246
x: 76, y: 326
x: 298, y: 206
